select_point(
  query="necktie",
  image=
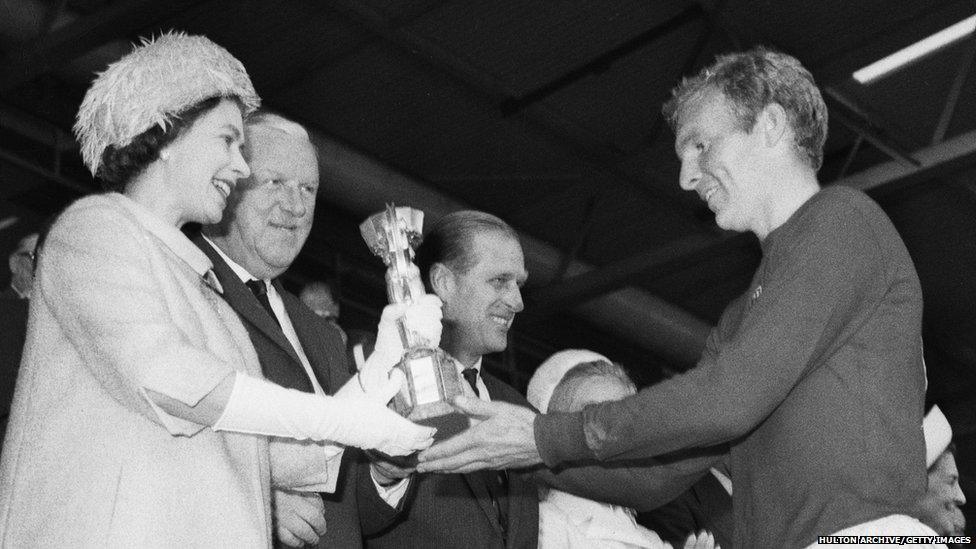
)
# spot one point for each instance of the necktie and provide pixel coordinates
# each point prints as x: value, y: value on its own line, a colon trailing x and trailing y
x: 495, y: 481
x: 260, y: 291
x: 471, y: 376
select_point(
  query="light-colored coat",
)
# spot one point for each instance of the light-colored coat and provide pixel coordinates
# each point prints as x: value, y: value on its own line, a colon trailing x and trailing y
x: 89, y: 461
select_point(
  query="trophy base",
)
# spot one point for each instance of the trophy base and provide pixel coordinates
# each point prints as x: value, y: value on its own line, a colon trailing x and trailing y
x: 447, y: 426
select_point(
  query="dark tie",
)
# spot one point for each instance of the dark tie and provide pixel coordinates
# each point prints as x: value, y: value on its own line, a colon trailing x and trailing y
x: 495, y: 481
x: 260, y: 291
x: 471, y: 376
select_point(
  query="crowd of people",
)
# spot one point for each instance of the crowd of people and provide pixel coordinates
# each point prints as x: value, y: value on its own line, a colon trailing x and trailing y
x: 173, y: 393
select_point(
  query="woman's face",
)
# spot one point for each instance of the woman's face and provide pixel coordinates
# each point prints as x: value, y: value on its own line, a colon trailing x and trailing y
x: 204, y: 163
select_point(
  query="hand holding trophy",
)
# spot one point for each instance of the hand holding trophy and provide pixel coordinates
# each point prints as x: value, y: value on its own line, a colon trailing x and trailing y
x: 431, y: 379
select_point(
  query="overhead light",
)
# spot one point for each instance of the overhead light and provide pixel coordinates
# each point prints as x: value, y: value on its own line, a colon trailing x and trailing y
x: 8, y: 221
x: 917, y: 50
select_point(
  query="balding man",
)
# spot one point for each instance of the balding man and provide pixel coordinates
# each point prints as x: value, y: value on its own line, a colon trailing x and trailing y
x: 268, y: 218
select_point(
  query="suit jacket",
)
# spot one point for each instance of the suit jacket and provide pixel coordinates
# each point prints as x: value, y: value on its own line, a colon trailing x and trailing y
x: 443, y: 511
x: 280, y: 363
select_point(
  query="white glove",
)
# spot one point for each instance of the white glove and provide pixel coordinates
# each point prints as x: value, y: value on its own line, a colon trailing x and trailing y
x: 373, y: 388
x: 422, y: 318
x: 260, y: 407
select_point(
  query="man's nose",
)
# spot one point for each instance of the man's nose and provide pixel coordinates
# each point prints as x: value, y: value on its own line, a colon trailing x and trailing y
x: 958, y: 496
x: 690, y: 175
x: 291, y: 200
x: 514, y: 300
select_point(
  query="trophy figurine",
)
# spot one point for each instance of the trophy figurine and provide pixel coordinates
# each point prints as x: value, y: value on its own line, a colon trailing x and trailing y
x: 431, y: 377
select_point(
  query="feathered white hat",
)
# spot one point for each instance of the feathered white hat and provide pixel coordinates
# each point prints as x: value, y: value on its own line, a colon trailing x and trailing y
x: 153, y: 83
x: 552, y: 371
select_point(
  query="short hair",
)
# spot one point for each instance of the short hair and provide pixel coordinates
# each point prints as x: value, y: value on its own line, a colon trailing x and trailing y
x: 752, y: 80
x: 564, y: 395
x: 449, y: 241
x: 270, y: 120
x: 318, y: 286
x: 120, y: 165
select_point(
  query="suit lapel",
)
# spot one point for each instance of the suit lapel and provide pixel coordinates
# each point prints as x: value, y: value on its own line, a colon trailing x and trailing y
x: 516, y: 495
x: 318, y: 349
x: 479, y: 487
x: 478, y: 481
x: 243, y: 301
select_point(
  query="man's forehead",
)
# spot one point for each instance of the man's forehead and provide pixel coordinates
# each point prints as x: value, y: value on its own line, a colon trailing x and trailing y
x: 706, y: 108
x: 946, y: 464
x: 493, y: 248
x: 273, y: 149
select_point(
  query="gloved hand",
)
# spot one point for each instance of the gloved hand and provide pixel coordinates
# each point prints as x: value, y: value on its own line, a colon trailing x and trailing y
x: 422, y: 319
x: 257, y: 406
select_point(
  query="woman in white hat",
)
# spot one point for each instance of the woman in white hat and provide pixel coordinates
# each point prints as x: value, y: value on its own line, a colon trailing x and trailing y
x: 566, y: 382
x: 140, y: 418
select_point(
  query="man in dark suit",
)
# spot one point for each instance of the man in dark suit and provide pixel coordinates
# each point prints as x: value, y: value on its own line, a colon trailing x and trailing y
x: 265, y: 225
x: 473, y: 262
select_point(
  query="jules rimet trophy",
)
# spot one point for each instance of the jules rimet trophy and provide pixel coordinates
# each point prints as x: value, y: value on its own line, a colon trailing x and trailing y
x: 431, y: 377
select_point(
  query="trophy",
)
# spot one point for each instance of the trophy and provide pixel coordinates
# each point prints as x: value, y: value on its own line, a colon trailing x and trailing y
x: 431, y: 377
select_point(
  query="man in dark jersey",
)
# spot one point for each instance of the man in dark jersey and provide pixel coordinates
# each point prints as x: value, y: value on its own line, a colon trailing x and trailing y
x: 814, y: 376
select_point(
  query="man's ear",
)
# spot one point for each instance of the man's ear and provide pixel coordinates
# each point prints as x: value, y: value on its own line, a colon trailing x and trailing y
x: 441, y: 280
x: 773, y: 123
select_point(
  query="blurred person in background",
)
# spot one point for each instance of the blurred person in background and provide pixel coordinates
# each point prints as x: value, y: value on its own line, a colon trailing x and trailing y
x: 568, y: 381
x: 21, y: 262
x: 939, y: 508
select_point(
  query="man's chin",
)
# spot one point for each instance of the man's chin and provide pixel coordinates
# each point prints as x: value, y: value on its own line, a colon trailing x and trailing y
x: 498, y: 345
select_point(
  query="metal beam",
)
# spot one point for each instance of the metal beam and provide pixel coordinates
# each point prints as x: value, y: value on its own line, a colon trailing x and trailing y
x: 851, y: 155
x: 118, y: 20
x: 938, y: 160
x: 612, y: 276
x: 582, y: 234
x: 45, y: 173
x: 602, y: 62
x: 856, y: 118
x: 36, y: 129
